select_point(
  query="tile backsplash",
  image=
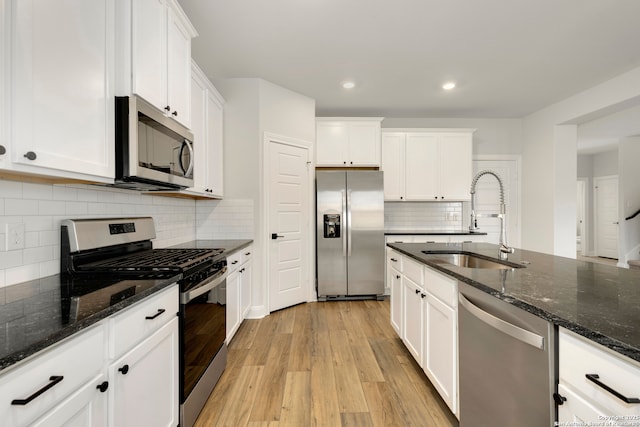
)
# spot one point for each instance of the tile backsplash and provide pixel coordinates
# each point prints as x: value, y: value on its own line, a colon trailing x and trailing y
x: 39, y: 208
x: 423, y: 216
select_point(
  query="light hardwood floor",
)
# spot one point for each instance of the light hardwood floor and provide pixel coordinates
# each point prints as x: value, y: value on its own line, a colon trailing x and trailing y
x: 335, y: 363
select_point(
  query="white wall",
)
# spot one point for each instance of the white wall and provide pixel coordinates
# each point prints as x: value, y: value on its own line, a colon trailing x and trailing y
x: 547, y: 163
x: 493, y: 136
x: 629, y: 203
x: 605, y: 163
x: 253, y: 107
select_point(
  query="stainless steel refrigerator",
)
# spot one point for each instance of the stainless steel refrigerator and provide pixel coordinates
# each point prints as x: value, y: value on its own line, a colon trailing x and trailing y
x: 349, y: 234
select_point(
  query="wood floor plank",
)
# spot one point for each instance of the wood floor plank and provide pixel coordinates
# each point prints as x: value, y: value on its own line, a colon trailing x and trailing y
x: 348, y: 386
x: 267, y: 406
x: 300, y: 359
x: 325, y: 410
x: 241, y: 397
x: 381, y: 405
x: 296, y: 402
x: 356, y: 419
x: 245, y: 335
x: 262, y: 342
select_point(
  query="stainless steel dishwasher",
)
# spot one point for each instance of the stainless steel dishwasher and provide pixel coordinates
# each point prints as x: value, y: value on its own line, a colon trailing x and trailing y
x: 506, y: 363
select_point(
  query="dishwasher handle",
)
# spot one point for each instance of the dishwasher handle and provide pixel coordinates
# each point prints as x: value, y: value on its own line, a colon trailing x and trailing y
x: 512, y: 330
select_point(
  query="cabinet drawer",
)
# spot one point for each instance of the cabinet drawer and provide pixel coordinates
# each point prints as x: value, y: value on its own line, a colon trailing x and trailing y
x: 412, y: 270
x: 394, y: 259
x: 444, y: 288
x: 141, y: 320
x: 245, y: 254
x: 75, y: 360
x: 234, y: 261
x: 579, y: 357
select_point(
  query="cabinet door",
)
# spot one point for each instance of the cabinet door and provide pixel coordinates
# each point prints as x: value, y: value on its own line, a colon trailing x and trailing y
x: 393, y: 155
x: 86, y: 407
x: 199, y: 129
x: 332, y: 141
x: 215, y: 144
x: 149, y: 51
x: 245, y: 290
x: 455, y: 166
x: 421, y: 169
x: 178, y: 69
x: 412, y: 321
x: 62, y: 75
x: 143, y: 387
x: 233, y: 304
x: 395, y: 283
x: 440, y: 349
x: 364, y: 144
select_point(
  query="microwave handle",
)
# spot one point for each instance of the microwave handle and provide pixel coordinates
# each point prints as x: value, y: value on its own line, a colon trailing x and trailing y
x: 187, y: 172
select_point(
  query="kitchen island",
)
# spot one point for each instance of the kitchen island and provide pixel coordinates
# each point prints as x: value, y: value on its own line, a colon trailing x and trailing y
x: 598, y: 302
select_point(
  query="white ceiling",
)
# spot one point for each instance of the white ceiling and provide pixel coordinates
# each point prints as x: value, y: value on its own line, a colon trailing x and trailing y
x: 508, y: 57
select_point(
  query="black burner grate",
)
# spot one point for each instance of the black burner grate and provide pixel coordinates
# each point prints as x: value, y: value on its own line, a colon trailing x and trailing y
x: 153, y: 260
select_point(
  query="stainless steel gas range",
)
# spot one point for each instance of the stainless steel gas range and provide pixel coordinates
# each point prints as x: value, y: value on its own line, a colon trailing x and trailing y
x: 111, y: 259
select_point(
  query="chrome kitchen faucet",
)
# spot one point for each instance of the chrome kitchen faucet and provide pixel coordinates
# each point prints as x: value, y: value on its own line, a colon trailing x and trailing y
x: 473, y: 227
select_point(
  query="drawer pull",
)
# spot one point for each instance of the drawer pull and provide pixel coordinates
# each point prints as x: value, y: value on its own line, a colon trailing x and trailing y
x: 595, y: 379
x: 124, y: 369
x: 394, y: 260
x: 160, y: 311
x: 247, y: 253
x: 53, y: 380
x: 417, y: 291
x: 103, y: 387
x: 234, y: 262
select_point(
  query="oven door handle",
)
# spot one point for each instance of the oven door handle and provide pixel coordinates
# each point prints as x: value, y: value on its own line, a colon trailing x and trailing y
x: 204, y: 287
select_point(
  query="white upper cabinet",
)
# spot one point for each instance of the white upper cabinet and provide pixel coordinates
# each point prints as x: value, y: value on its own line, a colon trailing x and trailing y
x: 58, y: 89
x: 427, y: 164
x: 207, y: 115
x: 352, y: 142
x: 158, y: 34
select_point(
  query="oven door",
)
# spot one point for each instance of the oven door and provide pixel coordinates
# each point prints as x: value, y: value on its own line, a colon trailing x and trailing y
x: 203, y: 318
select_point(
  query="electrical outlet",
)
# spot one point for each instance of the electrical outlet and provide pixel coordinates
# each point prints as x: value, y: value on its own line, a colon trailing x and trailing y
x: 15, y: 236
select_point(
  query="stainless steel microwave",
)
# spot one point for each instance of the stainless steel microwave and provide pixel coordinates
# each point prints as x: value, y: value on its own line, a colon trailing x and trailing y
x: 153, y: 151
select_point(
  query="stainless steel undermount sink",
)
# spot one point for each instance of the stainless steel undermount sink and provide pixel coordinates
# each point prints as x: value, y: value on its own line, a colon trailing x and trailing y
x: 469, y: 261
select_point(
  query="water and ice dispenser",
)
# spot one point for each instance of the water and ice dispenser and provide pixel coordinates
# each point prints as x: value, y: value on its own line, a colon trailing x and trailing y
x: 331, y: 226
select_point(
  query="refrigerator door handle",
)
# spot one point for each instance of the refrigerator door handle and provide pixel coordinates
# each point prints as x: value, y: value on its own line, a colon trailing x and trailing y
x: 346, y: 224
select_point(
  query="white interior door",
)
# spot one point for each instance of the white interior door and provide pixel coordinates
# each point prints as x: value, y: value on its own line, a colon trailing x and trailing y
x: 581, y: 242
x: 606, y: 221
x: 488, y: 198
x: 289, y: 222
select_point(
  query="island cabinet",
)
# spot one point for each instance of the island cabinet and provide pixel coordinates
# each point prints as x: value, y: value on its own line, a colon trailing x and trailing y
x: 58, y: 63
x: 424, y: 314
x: 122, y: 371
x: 154, y: 55
x: 206, y: 124
x: 238, y: 289
x: 593, y: 383
x: 348, y: 142
x: 427, y: 165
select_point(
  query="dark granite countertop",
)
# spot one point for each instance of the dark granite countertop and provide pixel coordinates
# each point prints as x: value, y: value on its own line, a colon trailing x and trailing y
x: 461, y: 232
x: 599, y: 302
x: 229, y: 245
x: 37, y: 314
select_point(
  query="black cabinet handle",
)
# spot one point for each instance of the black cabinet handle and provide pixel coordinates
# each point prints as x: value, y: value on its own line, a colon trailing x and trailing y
x: 247, y: 253
x: 53, y: 380
x: 174, y: 114
x: 234, y: 262
x: 393, y: 259
x: 595, y: 378
x: 160, y: 311
x: 417, y: 291
x: 103, y: 387
x: 242, y: 269
x: 167, y: 108
x: 559, y: 399
x: 397, y: 276
x: 30, y: 155
x: 423, y: 295
x: 2, y: 150
x: 124, y: 369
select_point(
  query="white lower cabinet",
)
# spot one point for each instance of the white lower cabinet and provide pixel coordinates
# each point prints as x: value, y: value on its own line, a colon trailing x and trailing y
x: 144, y: 382
x: 589, y: 378
x: 425, y: 302
x: 238, y: 289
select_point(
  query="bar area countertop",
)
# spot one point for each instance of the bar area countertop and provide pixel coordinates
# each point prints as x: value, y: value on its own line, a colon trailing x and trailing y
x: 599, y: 302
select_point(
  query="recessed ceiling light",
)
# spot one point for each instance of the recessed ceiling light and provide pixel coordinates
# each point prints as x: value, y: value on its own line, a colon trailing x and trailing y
x: 448, y: 85
x: 348, y: 85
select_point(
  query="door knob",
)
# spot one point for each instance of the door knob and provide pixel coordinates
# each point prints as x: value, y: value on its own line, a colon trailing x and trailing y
x: 274, y: 236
